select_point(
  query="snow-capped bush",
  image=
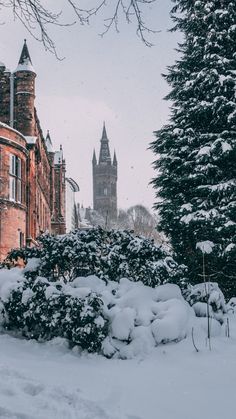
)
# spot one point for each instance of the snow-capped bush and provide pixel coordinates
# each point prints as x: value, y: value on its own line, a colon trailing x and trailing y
x: 117, y: 318
x: 110, y: 255
x: 209, y: 293
x: 38, y: 309
x: 139, y: 319
x: 231, y: 305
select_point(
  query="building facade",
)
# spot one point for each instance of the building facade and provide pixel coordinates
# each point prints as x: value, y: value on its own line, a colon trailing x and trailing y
x: 105, y: 181
x: 32, y: 175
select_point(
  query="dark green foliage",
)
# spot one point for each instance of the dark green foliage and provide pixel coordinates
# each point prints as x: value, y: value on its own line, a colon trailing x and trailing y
x: 196, y: 181
x: 110, y: 255
x: 42, y: 311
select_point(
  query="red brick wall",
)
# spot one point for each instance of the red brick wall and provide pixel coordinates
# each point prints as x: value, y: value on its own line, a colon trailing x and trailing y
x: 24, y: 95
x: 12, y: 214
x: 12, y: 223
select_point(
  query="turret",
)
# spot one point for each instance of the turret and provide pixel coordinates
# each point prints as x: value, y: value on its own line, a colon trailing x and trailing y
x: 24, y: 94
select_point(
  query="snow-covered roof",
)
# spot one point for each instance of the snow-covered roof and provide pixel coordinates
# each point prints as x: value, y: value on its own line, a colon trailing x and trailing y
x: 26, y: 66
x: 30, y: 140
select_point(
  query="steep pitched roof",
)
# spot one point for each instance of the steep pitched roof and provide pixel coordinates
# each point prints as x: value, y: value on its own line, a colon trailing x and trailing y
x: 25, y: 63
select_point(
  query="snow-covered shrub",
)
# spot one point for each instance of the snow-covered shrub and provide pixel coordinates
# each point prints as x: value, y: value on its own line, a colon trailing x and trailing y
x: 110, y: 255
x: 199, y: 295
x: 231, y: 305
x: 142, y: 317
x: 38, y: 309
x: 116, y: 318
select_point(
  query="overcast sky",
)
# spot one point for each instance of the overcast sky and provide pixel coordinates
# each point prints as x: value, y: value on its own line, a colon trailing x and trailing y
x: 116, y: 79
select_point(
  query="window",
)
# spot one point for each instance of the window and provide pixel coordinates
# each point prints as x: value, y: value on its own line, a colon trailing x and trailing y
x: 21, y: 239
x: 15, y: 187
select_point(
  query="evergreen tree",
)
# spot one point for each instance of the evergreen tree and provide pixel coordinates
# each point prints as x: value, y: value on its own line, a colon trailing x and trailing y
x: 196, y: 163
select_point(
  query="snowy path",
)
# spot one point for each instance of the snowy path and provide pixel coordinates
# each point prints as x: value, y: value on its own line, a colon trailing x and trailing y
x: 43, y: 381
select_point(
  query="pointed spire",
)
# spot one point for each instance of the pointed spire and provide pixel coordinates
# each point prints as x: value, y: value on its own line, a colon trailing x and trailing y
x: 114, y: 159
x: 48, y: 142
x: 104, y: 132
x: 25, y: 63
x: 94, y: 158
x: 25, y: 56
x: 104, y: 155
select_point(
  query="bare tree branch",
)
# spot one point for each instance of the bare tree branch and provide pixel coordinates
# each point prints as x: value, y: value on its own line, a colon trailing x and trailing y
x: 37, y: 19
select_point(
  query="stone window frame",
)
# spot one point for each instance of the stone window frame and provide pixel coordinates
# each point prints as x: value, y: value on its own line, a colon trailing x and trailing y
x: 15, y: 178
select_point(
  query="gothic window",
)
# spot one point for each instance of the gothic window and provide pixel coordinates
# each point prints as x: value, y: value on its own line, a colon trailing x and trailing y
x: 105, y: 192
x: 15, y: 178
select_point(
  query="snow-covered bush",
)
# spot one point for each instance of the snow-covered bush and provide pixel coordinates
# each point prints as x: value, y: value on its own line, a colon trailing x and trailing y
x: 199, y: 295
x: 110, y: 255
x: 117, y: 318
x: 141, y: 317
x: 231, y: 305
x: 38, y: 309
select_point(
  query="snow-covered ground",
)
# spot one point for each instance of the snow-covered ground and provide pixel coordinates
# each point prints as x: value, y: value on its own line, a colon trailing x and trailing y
x: 48, y: 381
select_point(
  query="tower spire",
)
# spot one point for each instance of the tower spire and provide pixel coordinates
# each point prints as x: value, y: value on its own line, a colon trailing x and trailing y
x: 104, y: 155
x: 104, y: 132
x: 25, y: 55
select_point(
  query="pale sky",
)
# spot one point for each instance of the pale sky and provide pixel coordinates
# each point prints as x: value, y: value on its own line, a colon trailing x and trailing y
x: 116, y: 79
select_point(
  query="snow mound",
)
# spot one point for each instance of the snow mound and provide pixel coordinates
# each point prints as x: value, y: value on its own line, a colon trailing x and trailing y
x: 172, y: 320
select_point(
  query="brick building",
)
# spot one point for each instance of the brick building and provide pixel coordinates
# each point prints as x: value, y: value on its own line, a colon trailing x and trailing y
x: 32, y: 175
